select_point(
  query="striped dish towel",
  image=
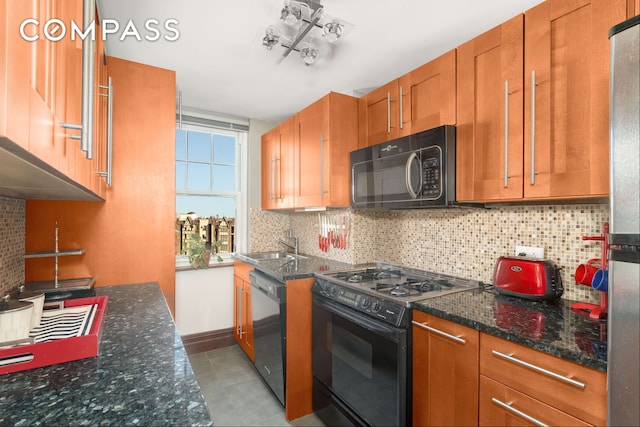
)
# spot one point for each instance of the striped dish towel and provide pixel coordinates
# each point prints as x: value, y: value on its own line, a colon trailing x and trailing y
x: 64, y: 323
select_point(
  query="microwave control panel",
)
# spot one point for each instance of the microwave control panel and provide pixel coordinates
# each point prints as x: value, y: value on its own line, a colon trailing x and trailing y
x: 432, y: 172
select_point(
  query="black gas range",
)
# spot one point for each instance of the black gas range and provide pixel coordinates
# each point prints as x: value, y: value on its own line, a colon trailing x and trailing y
x: 384, y: 291
x: 361, y: 340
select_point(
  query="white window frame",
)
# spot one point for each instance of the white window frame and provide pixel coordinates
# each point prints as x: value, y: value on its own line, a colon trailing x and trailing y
x: 240, y: 195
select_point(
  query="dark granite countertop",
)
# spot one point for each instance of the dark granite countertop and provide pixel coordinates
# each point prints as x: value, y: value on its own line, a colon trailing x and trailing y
x: 289, y: 269
x: 141, y: 376
x: 550, y: 327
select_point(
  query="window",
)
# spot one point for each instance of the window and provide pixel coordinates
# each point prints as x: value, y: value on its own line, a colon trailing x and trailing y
x: 209, y: 184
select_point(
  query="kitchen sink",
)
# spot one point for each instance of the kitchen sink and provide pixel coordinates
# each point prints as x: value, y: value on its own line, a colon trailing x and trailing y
x: 267, y: 256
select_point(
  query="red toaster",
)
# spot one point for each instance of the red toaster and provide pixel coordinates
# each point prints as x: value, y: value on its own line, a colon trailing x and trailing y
x: 530, y: 278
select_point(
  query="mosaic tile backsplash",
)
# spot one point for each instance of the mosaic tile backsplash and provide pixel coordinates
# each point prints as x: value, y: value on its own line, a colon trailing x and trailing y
x: 464, y: 242
x: 12, y: 230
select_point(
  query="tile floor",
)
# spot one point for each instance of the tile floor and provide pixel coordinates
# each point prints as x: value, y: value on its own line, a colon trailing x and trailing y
x: 235, y: 393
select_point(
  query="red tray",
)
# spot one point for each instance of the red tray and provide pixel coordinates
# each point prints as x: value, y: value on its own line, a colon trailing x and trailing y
x: 62, y: 350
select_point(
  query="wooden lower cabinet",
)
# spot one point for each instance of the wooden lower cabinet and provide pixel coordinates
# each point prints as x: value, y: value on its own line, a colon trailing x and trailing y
x: 503, y: 406
x: 547, y: 388
x: 445, y: 372
x: 298, y: 392
x: 298, y: 370
x: 242, y: 320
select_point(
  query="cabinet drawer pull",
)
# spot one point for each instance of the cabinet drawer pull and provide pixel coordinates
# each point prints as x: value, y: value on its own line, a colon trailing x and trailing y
x: 518, y: 412
x: 551, y: 374
x: 456, y: 338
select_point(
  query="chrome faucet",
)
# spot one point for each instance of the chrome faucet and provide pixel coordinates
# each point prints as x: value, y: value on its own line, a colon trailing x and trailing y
x: 289, y: 235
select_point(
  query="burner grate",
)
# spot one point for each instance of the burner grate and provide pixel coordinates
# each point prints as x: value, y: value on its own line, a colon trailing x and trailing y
x: 398, y: 283
x: 368, y: 275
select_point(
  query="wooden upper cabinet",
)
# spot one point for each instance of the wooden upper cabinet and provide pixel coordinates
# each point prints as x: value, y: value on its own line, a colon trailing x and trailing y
x: 101, y: 112
x: 324, y: 134
x: 566, y: 139
x: 267, y: 170
x: 277, y: 166
x: 419, y: 100
x: 489, y: 148
x: 43, y: 79
x: 311, y: 138
x: 42, y: 90
x: 541, y: 134
x: 15, y: 72
x: 381, y: 114
x: 428, y: 95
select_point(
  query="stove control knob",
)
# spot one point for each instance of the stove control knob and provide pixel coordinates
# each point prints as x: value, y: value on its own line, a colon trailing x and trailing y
x: 376, y: 306
x: 365, y: 302
x: 333, y: 290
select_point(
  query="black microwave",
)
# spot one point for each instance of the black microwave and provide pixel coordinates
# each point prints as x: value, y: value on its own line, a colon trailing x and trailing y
x: 415, y: 171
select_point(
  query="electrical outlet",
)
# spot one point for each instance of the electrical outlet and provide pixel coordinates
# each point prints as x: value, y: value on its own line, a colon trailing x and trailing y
x: 530, y: 251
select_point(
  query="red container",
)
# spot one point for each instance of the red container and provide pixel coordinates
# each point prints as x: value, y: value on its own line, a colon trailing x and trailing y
x: 58, y: 351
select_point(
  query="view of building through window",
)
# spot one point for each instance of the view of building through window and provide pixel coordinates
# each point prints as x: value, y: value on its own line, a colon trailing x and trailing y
x: 206, y: 187
x: 213, y: 230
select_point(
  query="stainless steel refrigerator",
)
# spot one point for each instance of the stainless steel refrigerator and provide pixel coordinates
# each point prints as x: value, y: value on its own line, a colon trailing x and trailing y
x: 624, y: 255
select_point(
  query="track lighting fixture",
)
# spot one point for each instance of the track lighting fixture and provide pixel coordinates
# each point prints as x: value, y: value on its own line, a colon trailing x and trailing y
x: 303, y: 20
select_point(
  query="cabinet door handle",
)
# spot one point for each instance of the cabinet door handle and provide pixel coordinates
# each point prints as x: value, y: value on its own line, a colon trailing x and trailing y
x: 506, y: 133
x: 272, y: 191
x: 88, y: 67
x: 239, y: 311
x: 456, y: 338
x: 388, y: 112
x: 88, y: 52
x: 543, y: 371
x: 533, y: 127
x: 242, y: 298
x: 277, y: 178
x: 109, y: 173
x: 400, y: 107
x: 518, y: 412
x: 322, y: 141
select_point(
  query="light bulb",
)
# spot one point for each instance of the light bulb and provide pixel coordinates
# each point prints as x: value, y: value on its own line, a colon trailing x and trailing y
x: 308, y: 55
x: 270, y: 38
x: 332, y: 31
x: 290, y: 14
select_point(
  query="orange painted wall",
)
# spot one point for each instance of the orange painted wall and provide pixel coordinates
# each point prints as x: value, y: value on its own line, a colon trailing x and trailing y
x: 129, y: 238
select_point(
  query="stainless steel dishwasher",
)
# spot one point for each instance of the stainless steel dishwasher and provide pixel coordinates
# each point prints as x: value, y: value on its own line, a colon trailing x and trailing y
x: 268, y: 297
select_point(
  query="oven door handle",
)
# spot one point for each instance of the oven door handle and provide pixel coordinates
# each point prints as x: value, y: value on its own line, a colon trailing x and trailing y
x: 377, y: 327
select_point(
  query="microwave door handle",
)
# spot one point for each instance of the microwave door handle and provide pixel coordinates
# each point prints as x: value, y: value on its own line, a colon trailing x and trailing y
x: 412, y: 192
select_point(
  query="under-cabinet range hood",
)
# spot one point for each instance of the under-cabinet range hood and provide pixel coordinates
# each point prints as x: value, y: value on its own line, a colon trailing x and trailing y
x: 24, y: 176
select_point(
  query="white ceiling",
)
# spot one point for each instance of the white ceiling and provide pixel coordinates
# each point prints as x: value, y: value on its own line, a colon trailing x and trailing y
x: 222, y: 67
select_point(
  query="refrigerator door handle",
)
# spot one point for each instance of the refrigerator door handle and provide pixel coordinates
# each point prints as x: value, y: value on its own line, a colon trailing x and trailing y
x: 624, y: 247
